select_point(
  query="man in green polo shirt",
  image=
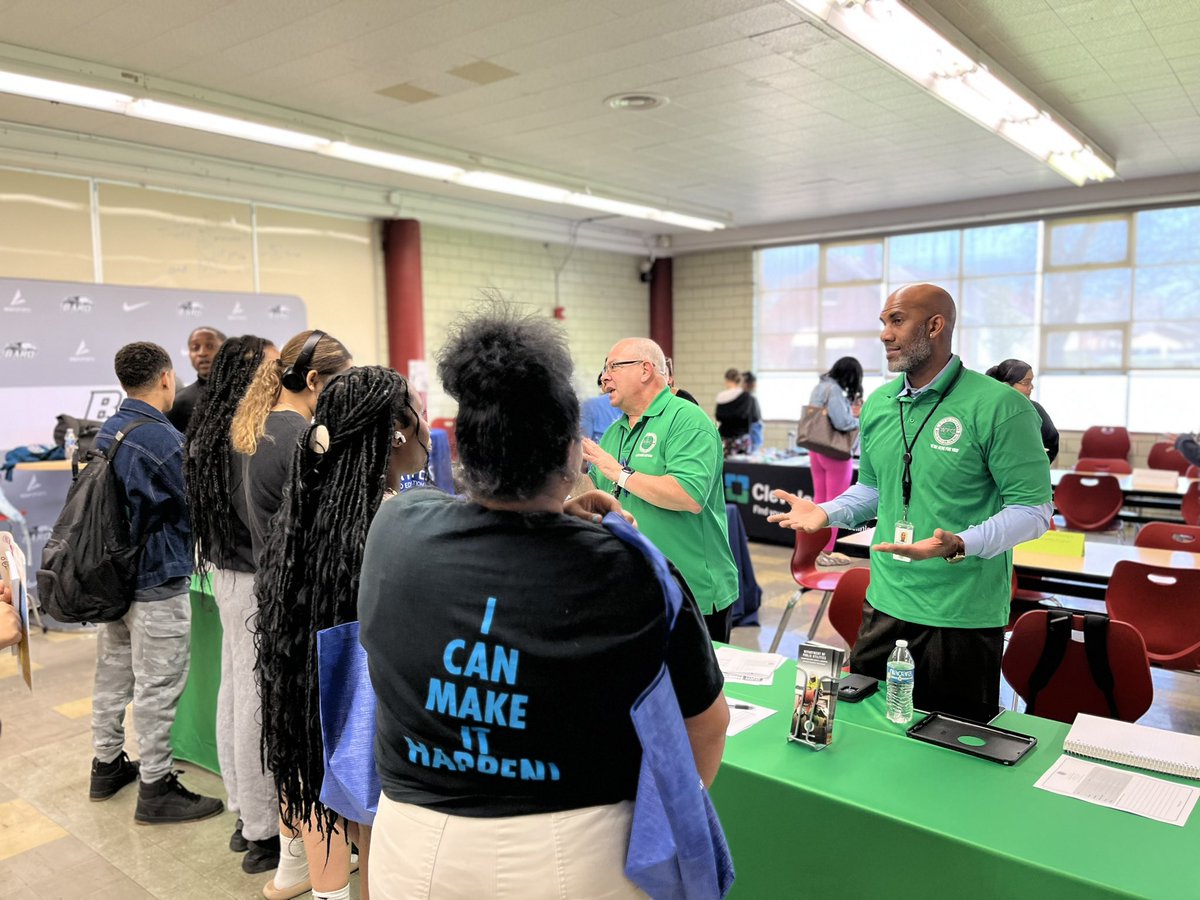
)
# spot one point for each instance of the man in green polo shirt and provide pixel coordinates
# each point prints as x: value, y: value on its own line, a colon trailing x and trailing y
x: 663, y: 460
x: 953, y: 469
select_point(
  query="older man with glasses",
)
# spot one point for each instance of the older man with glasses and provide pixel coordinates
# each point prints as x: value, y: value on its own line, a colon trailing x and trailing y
x: 663, y: 460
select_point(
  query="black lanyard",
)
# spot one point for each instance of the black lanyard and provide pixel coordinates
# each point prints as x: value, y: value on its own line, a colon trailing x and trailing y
x: 634, y: 434
x: 906, y: 475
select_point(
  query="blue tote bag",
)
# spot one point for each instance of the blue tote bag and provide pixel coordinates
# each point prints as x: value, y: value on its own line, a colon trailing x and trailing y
x: 677, y: 849
x: 351, y: 785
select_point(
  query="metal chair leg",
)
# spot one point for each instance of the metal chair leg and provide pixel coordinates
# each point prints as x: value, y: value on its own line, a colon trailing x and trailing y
x: 783, y: 620
x: 812, y: 631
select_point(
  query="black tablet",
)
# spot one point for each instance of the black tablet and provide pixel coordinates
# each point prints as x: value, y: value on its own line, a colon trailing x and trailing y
x: 985, y: 741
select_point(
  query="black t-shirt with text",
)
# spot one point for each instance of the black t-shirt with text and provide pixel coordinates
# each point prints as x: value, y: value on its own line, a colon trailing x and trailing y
x: 506, y: 650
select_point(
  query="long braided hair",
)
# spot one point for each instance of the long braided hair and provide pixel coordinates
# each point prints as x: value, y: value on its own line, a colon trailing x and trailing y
x: 312, y: 561
x: 207, y: 464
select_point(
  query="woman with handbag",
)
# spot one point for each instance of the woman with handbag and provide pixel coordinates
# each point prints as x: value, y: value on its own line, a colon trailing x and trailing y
x: 839, y: 394
x: 508, y: 636
x: 368, y: 430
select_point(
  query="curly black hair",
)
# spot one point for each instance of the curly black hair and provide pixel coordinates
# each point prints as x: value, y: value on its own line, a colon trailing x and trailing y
x: 311, y: 565
x: 139, y: 364
x: 206, y: 467
x: 517, y: 411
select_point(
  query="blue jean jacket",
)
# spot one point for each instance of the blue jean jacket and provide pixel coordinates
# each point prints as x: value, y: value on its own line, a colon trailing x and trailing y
x: 150, y: 468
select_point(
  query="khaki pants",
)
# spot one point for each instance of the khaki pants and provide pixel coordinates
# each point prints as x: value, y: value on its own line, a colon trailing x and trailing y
x: 579, y: 853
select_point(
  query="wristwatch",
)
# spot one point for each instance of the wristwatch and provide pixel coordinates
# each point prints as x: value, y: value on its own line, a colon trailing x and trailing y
x: 959, y: 555
x: 624, y: 477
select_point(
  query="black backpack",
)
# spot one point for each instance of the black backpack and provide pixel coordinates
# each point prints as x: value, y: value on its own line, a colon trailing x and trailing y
x: 89, y: 565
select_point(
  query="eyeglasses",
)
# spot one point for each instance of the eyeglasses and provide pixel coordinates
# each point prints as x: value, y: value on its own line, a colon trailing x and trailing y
x: 609, y: 366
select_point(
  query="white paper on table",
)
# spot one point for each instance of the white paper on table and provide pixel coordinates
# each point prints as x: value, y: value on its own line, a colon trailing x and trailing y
x: 747, y: 667
x: 742, y: 715
x: 1142, y: 795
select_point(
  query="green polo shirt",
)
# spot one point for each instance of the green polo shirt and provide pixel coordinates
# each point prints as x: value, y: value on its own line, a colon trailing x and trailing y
x: 675, y: 437
x: 980, y: 451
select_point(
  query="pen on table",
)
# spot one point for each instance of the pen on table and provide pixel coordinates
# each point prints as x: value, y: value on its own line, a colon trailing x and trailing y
x: 733, y: 705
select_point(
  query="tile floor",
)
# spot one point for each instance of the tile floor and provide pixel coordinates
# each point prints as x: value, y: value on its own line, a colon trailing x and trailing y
x: 55, y: 843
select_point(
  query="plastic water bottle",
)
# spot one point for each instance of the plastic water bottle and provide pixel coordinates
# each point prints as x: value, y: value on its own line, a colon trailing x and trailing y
x: 791, y: 443
x: 900, y: 671
x: 70, y: 444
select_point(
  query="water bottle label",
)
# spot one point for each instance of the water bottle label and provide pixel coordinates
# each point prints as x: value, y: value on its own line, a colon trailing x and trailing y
x: 900, y: 676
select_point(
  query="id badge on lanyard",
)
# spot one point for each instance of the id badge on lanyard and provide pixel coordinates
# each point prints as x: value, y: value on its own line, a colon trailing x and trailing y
x: 904, y: 535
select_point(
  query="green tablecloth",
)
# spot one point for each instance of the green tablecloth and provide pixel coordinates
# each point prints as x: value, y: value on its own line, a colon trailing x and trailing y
x: 880, y: 814
x: 194, y: 735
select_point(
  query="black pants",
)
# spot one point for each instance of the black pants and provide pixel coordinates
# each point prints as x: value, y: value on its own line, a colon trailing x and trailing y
x: 958, y: 669
x: 719, y: 624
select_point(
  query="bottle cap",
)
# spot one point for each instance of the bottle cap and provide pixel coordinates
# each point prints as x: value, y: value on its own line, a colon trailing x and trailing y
x: 901, y: 643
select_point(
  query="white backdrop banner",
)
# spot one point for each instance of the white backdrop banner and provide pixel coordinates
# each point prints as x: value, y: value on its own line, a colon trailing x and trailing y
x: 58, y: 340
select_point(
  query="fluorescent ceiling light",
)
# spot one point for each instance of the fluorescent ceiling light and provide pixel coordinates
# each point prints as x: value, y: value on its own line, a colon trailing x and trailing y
x: 186, y: 117
x: 892, y: 32
x: 63, y: 92
x: 260, y: 132
x: 397, y: 162
x: 514, y: 187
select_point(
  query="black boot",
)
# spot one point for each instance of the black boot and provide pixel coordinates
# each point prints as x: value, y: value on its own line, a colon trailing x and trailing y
x: 108, y: 778
x: 166, y: 800
x: 237, y: 843
x: 263, y: 856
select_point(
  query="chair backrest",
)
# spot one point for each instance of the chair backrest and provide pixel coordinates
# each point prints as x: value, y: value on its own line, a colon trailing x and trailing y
x: 1169, y: 536
x: 1162, y: 603
x: 1107, y: 466
x: 1192, y: 472
x: 1072, y: 689
x: 846, y: 604
x: 808, y: 547
x: 1105, y: 442
x: 1088, y: 502
x: 1163, y: 455
x: 1191, y: 504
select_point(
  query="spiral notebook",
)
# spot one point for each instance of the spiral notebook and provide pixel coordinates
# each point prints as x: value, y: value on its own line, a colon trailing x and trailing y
x: 1135, y: 745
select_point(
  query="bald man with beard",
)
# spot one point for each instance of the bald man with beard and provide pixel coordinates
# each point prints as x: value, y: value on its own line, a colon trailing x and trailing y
x: 953, y: 469
x: 663, y: 460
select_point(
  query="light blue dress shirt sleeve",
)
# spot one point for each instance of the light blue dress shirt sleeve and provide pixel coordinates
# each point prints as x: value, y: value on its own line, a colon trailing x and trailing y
x: 854, y: 505
x: 1011, y: 526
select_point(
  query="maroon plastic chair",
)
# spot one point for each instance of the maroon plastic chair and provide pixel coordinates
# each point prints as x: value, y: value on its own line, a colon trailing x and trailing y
x: 846, y: 604
x: 1169, y: 536
x: 1088, y: 502
x: 1024, y: 601
x: 1105, y: 442
x: 1106, y: 466
x: 1190, y: 506
x: 1072, y: 689
x: 808, y: 578
x: 1164, y: 605
x: 1163, y: 455
x: 1192, y: 472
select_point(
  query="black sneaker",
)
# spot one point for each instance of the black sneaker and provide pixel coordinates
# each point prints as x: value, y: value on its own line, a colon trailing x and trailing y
x: 237, y: 843
x: 108, y: 778
x: 263, y: 856
x: 166, y: 800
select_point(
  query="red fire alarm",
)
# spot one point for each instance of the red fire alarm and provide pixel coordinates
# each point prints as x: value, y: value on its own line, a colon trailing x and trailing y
x: 560, y: 312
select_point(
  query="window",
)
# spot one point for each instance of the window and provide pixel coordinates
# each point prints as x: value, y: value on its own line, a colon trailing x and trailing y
x: 1105, y: 307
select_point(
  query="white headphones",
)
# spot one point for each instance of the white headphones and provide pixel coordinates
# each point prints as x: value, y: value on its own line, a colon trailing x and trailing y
x: 399, y: 438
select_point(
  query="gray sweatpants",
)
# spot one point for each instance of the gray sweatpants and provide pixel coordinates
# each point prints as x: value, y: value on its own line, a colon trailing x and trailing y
x: 142, y: 657
x: 239, y: 720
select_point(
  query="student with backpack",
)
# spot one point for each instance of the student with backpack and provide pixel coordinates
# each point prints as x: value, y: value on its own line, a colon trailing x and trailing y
x: 143, y: 655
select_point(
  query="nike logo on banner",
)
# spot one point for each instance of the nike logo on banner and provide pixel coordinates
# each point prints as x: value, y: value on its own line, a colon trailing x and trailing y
x: 130, y: 307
